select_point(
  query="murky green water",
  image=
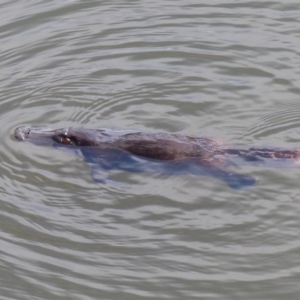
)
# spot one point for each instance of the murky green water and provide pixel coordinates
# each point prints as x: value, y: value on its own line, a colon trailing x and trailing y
x: 223, y: 69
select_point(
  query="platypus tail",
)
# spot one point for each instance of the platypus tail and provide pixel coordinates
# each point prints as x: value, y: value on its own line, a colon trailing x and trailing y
x: 253, y: 154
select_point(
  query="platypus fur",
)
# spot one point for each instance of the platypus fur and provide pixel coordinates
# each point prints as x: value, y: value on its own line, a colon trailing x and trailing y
x: 159, y: 152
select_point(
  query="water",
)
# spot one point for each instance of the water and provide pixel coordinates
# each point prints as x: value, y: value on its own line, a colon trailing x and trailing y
x: 222, y: 69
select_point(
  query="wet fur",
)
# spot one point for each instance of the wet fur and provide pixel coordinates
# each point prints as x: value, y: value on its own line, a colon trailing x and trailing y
x: 175, y: 150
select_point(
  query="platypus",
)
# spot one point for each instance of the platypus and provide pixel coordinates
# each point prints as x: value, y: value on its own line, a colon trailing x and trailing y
x: 165, y: 153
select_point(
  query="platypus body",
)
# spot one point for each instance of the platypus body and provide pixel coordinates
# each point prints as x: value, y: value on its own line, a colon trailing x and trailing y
x: 153, y: 152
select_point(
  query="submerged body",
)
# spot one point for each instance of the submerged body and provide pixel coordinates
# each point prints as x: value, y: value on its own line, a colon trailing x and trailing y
x: 157, y: 152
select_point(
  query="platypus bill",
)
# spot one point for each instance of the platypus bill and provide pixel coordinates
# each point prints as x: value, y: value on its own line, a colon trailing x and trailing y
x: 164, y: 153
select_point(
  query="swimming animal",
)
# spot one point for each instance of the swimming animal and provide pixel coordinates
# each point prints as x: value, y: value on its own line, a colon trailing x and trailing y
x: 164, y: 153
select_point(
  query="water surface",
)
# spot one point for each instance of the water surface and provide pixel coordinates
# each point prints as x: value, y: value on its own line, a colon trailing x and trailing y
x: 224, y: 69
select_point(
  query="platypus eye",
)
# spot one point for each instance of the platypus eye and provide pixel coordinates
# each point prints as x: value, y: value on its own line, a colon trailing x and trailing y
x: 65, y: 139
x: 70, y: 140
x: 73, y: 140
x: 62, y: 139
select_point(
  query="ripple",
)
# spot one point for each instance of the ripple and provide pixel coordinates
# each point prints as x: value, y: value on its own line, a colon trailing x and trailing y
x: 279, y: 118
x: 194, y: 68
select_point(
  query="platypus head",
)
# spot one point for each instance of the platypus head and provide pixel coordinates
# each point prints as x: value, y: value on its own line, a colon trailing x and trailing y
x: 38, y: 136
x: 65, y: 136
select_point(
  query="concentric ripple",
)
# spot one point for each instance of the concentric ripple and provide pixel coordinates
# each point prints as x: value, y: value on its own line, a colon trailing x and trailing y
x: 227, y: 69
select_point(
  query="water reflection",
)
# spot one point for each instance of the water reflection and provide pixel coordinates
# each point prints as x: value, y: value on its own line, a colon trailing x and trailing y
x: 206, y: 69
